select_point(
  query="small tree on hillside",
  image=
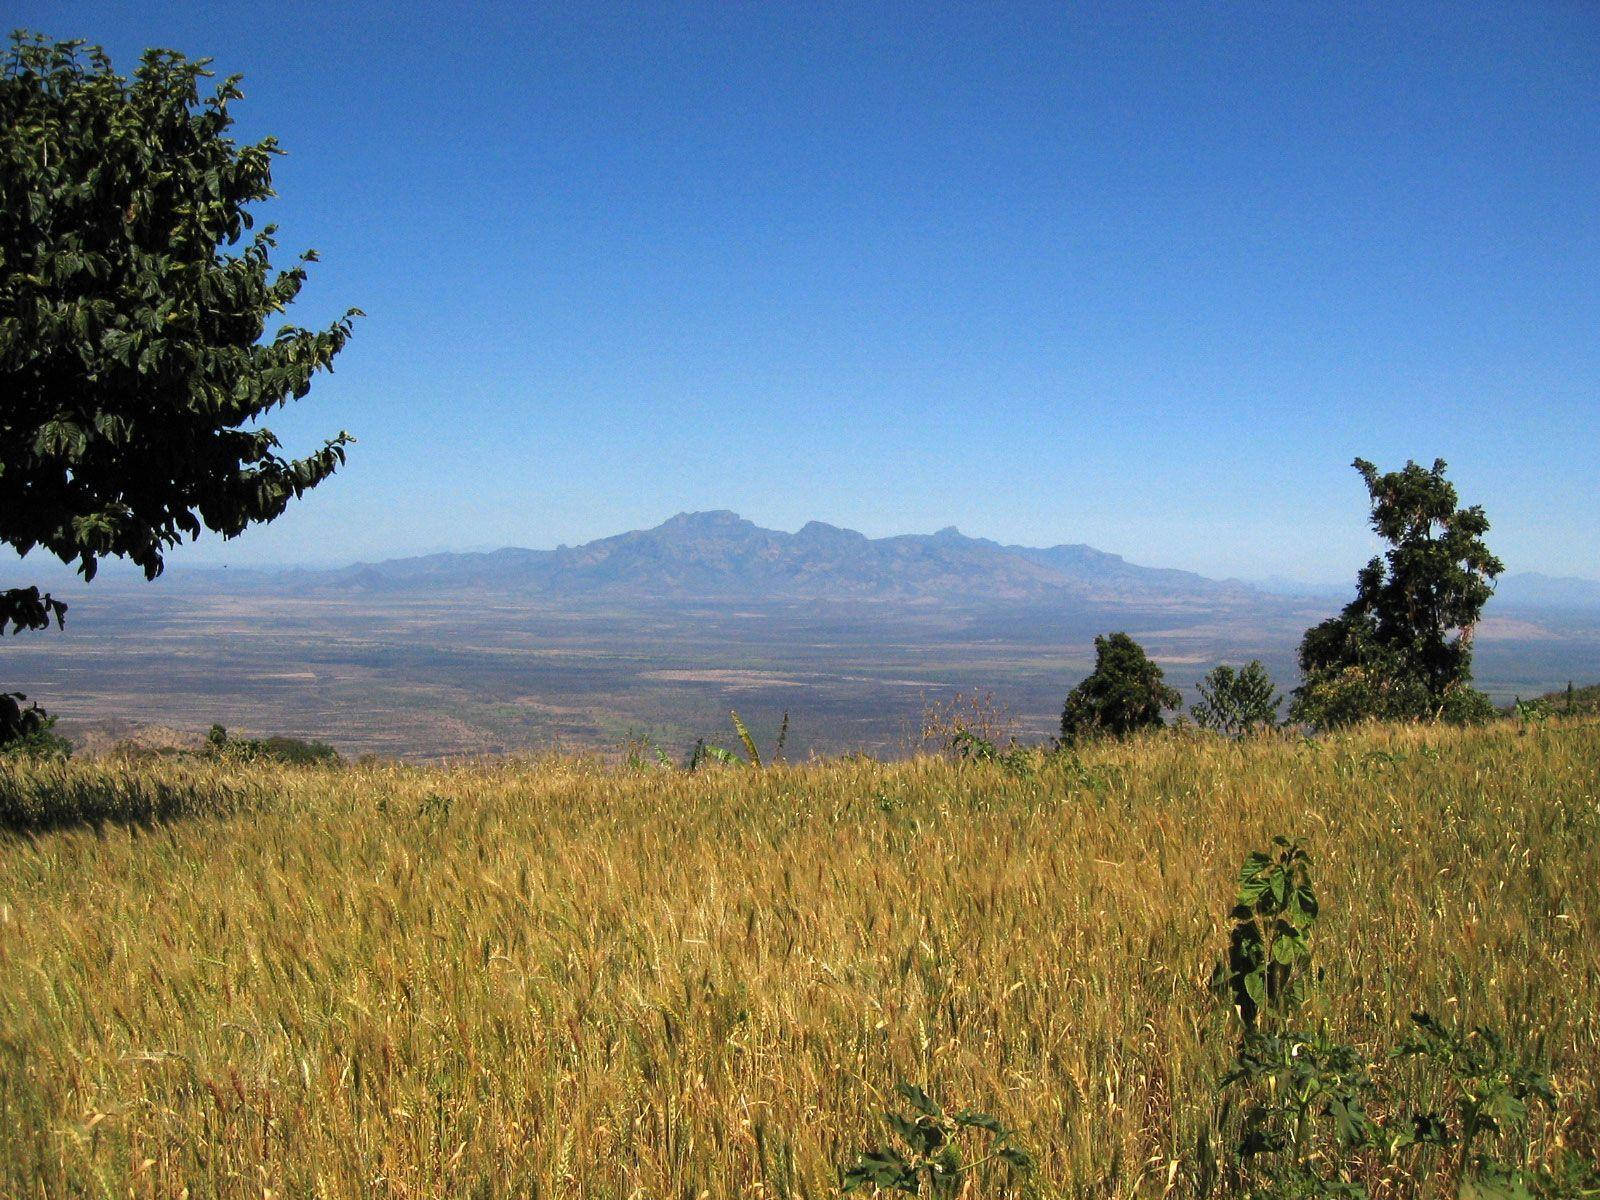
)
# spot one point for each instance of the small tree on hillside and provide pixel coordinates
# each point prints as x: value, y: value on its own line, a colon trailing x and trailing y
x: 1124, y: 693
x: 1237, y: 702
x: 1402, y: 649
x: 135, y: 358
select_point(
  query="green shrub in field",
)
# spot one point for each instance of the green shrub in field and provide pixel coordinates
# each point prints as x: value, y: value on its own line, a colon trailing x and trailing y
x: 1237, y: 702
x: 29, y: 732
x: 1304, y: 1128
x: 925, y: 1158
x: 292, y: 750
x: 1125, y: 693
x: 1269, y: 948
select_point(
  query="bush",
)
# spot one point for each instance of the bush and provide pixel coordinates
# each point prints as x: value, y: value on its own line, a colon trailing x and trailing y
x: 1380, y: 691
x: 1237, y: 702
x: 29, y: 732
x: 1298, y: 1103
x: 279, y: 749
x: 1124, y: 693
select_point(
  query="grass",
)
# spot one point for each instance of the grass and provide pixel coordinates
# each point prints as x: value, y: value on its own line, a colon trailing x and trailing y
x: 55, y: 793
x: 560, y: 979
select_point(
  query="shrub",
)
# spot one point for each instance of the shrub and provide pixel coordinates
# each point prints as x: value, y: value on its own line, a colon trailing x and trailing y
x: 1124, y: 693
x: 925, y: 1157
x: 1304, y: 1128
x: 1237, y: 702
x: 29, y: 732
x: 292, y: 750
x: 947, y: 723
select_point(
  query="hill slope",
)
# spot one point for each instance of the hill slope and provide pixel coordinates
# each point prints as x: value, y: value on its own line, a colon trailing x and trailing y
x: 553, y: 979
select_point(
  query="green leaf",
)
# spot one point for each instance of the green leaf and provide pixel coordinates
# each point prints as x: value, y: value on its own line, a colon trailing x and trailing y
x: 744, y: 736
x: 919, y: 1099
x: 881, y: 1168
x: 1255, y: 986
x: 970, y: 1118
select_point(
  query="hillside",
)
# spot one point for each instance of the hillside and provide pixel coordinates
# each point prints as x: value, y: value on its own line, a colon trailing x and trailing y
x: 560, y: 980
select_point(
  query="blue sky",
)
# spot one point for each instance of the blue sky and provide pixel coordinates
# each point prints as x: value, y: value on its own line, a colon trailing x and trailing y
x: 1144, y: 276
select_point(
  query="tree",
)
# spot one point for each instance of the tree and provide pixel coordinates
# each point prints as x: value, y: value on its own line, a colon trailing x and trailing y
x: 1124, y: 693
x: 1237, y: 702
x: 1402, y: 649
x: 135, y: 358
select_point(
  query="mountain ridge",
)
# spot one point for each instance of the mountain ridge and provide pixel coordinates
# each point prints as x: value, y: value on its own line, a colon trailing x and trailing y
x: 718, y: 554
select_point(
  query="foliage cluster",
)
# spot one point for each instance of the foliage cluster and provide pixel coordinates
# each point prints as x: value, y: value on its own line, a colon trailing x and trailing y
x: 279, y: 748
x: 1124, y: 693
x: 1402, y: 649
x: 29, y: 730
x: 925, y: 1158
x: 136, y: 356
x: 1237, y: 703
x: 1307, y: 1127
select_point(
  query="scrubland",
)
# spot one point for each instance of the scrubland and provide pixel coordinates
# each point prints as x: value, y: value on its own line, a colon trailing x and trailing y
x: 560, y: 978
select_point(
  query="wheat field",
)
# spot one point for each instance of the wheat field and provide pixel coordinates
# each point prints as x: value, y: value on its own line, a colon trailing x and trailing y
x: 562, y: 978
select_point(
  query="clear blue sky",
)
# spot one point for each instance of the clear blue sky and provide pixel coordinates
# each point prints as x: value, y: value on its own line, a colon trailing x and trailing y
x: 1144, y: 276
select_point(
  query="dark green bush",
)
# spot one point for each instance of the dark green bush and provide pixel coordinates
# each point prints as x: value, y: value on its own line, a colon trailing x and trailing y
x: 295, y: 751
x: 1125, y: 693
x: 32, y: 734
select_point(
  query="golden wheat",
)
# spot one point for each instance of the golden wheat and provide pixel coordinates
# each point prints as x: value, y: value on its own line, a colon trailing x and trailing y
x: 562, y: 979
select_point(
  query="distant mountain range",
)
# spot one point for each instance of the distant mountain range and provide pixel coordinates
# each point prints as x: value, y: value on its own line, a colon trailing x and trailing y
x: 719, y: 556
x: 722, y: 556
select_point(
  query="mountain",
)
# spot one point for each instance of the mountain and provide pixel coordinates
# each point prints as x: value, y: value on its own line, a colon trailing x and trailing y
x: 722, y: 556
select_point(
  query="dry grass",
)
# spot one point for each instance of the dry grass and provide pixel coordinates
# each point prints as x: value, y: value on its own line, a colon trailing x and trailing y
x: 556, y: 979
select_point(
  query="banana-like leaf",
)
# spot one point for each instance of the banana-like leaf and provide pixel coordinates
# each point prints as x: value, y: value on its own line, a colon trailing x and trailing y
x: 744, y: 736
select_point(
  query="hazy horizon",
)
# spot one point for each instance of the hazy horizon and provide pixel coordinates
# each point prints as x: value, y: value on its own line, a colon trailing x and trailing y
x: 41, y: 569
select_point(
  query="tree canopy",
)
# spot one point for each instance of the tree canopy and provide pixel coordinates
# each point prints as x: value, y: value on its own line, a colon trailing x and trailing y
x: 1236, y: 703
x: 1402, y: 648
x: 1124, y: 693
x: 135, y: 354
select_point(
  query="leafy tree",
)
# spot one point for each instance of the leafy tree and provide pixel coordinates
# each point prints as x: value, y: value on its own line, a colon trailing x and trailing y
x: 29, y: 731
x: 135, y: 358
x: 1237, y: 702
x: 1402, y: 649
x: 1124, y: 693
